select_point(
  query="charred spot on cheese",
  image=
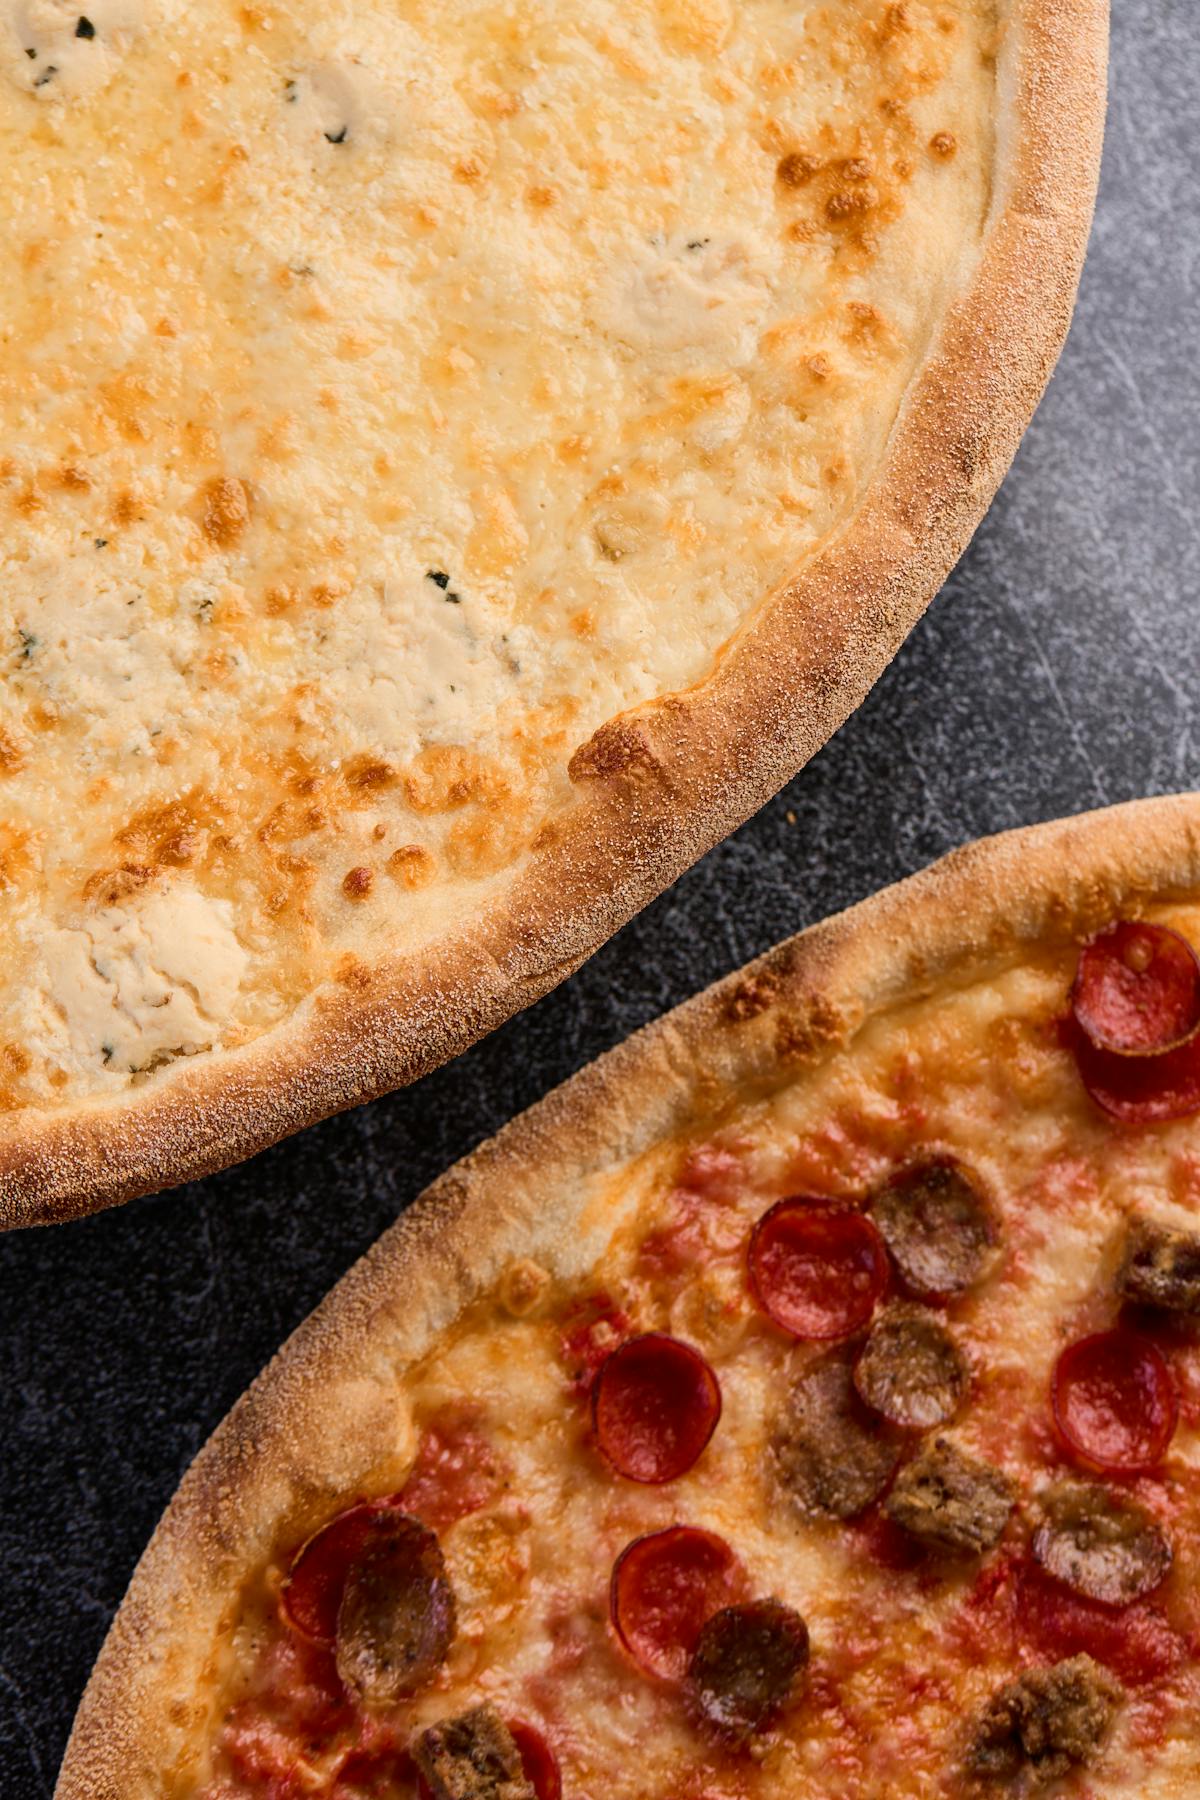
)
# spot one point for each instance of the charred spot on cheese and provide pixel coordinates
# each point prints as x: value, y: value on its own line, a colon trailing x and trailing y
x: 411, y: 865
x: 950, y: 1500
x: 828, y: 1458
x: 357, y: 882
x: 472, y: 1757
x: 797, y: 168
x: 911, y: 1368
x: 224, y: 511
x: 937, y: 1226
x: 849, y: 203
x: 1038, y: 1727
x: 396, y: 1619
x: 1100, y: 1543
x: 1160, y: 1267
x: 369, y: 774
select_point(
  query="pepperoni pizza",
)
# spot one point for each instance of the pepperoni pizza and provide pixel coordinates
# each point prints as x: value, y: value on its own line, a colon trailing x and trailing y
x: 803, y: 1402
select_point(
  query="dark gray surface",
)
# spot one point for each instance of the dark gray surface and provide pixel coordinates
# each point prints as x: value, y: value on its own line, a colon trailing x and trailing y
x: 1059, y: 671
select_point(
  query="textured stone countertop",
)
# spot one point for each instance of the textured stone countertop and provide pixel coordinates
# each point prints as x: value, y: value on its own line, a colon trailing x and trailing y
x: 1059, y: 670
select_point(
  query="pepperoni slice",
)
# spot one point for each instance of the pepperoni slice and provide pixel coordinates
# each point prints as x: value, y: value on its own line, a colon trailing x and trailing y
x: 817, y: 1268
x: 655, y: 1404
x: 746, y: 1667
x: 380, y: 1773
x: 1137, y: 989
x: 312, y: 1592
x: 664, y: 1587
x: 1114, y: 1402
x: 537, y: 1759
x: 1137, y: 1642
x: 1142, y: 1090
x: 397, y: 1615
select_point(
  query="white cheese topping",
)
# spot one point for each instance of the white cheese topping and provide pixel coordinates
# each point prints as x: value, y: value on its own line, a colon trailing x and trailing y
x: 145, y: 983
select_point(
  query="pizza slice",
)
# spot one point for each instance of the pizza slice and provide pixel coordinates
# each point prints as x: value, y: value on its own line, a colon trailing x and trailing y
x: 801, y: 1402
x: 457, y: 461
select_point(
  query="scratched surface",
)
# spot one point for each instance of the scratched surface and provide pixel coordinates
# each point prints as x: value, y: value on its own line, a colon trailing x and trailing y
x: 1059, y: 670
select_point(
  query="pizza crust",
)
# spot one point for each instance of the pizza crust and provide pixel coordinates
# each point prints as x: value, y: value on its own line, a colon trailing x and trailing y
x: 655, y: 788
x: 329, y: 1416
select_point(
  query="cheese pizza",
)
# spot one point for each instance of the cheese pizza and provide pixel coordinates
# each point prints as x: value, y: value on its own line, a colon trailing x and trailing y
x: 456, y: 460
x: 804, y: 1401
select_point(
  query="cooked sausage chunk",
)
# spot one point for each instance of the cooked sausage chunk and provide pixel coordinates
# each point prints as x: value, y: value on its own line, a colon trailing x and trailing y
x: 937, y: 1227
x: 1161, y: 1267
x: 1035, y: 1729
x: 472, y: 1757
x: 828, y: 1457
x: 397, y: 1615
x: 911, y: 1370
x: 747, y: 1666
x: 1103, y: 1545
x: 950, y: 1500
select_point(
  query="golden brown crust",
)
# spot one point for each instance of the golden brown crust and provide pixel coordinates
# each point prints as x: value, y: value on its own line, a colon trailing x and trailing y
x: 327, y: 1416
x: 654, y: 790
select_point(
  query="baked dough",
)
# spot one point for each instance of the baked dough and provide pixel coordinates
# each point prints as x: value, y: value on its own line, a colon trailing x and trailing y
x: 457, y: 460
x: 926, y: 1020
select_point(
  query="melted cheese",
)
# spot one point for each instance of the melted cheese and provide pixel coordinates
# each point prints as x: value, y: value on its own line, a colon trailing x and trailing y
x: 902, y: 1657
x: 146, y: 982
x: 381, y: 384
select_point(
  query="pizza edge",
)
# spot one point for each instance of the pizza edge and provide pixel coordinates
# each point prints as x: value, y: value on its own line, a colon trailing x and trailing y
x: 324, y: 1417
x: 656, y: 787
